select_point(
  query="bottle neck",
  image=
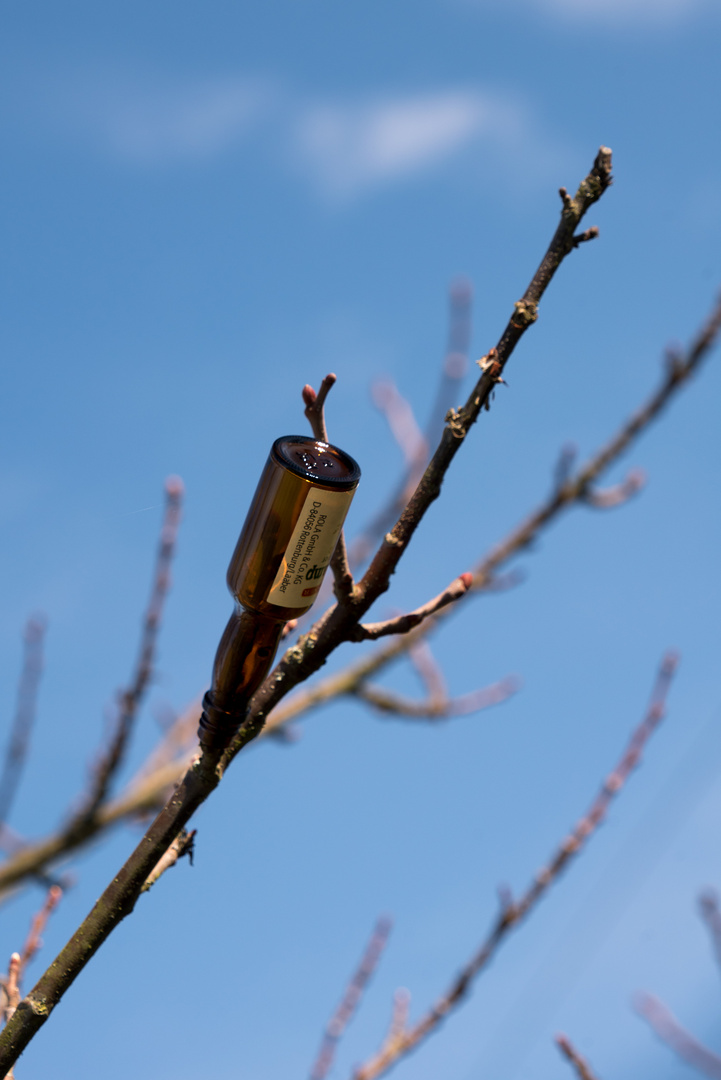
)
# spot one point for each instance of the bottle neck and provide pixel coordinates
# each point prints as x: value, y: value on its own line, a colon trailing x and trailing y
x: 244, y: 658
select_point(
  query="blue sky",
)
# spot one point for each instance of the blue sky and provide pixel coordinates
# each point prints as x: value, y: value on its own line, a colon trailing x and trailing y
x: 205, y: 209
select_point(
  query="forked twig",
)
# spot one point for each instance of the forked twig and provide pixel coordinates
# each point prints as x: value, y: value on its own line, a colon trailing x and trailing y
x: 351, y: 999
x: 513, y: 912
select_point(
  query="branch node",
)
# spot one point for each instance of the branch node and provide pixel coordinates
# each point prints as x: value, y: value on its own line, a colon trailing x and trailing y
x: 525, y: 313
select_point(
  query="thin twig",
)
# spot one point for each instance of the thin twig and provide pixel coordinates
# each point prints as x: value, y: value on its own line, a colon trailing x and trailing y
x: 513, y: 912
x: 10, y: 984
x: 618, y: 494
x: 676, y: 1037
x: 401, y: 624
x: 402, y: 423
x: 315, y: 406
x: 708, y: 903
x: 180, y: 847
x: 583, y: 1070
x: 455, y: 362
x: 386, y: 701
x: 39, y: 921
x: 430, y: 672
x: 16, y: 754
x: 351, y: 999
x: 315, y: 413
x: 129, y: 700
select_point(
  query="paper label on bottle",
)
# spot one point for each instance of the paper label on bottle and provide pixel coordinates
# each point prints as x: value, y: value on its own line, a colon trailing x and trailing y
x: 310, y: 548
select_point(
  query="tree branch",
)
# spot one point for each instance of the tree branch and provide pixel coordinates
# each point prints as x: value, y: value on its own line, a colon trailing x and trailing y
x: 351, y: 999
x: 388, y: 702
x: 401, y: 624
x: 129, y: 700
x: 568, y: 1050
x: 414, y: 445
x: 315, y: 413
x: 16, y: 754
x: 513, y: 912
x: 676, y: 1037
x: 315, y: 406
x: 148, y: 794
x: 711, y: 914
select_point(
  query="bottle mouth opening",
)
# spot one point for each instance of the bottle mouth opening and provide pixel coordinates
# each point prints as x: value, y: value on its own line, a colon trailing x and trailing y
x: 317, y: 461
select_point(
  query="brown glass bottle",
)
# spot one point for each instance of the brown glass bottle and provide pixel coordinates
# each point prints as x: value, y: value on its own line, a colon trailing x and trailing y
x: 277, y: 568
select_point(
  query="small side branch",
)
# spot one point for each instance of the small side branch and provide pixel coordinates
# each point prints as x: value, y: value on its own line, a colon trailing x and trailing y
x: 315, y: 406
x: 351, y: 999
x: 315, y: 414
x: 180, y: 847
x: 439, y: 709
x: 402, y: 624
x: 24, y: 720
x: 402, y: 423
x: 11, y: 983
x: 131, y: 698
x: 611, y: 497
x: 513, y: 912
x: 583, y: 1070
x: 676, y: 1037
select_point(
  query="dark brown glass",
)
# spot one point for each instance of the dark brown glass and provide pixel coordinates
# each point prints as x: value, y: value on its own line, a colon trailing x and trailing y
x: 305, y: 482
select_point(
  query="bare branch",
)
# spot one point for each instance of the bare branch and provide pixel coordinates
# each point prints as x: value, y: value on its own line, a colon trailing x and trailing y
x: 582, y: 1068
x: 401, y: 420
x: 315, y: 413
x: 33, y: 942
x: 16, y: 754
x: 459, y: 422
x: 315, y: 406
x: 513, y: 912
x: 708, y: 904
x: 430, y: 672
x: 564, y: 465
x: 675, y: 1036
x: 455, y: 363
x: 401, y: 624
x: 388, y: 702
x: 10, y: 984
x: 129, y: 699
x: 149, y: 792
x: 351, y: 999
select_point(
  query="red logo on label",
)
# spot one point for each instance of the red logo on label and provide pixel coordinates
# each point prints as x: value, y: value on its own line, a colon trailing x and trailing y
x: 309, y: 592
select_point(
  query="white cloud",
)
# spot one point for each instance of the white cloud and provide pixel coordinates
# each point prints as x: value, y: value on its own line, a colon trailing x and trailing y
x: 349, y: 148
x: 343, y: 148
x: 153, y: 121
